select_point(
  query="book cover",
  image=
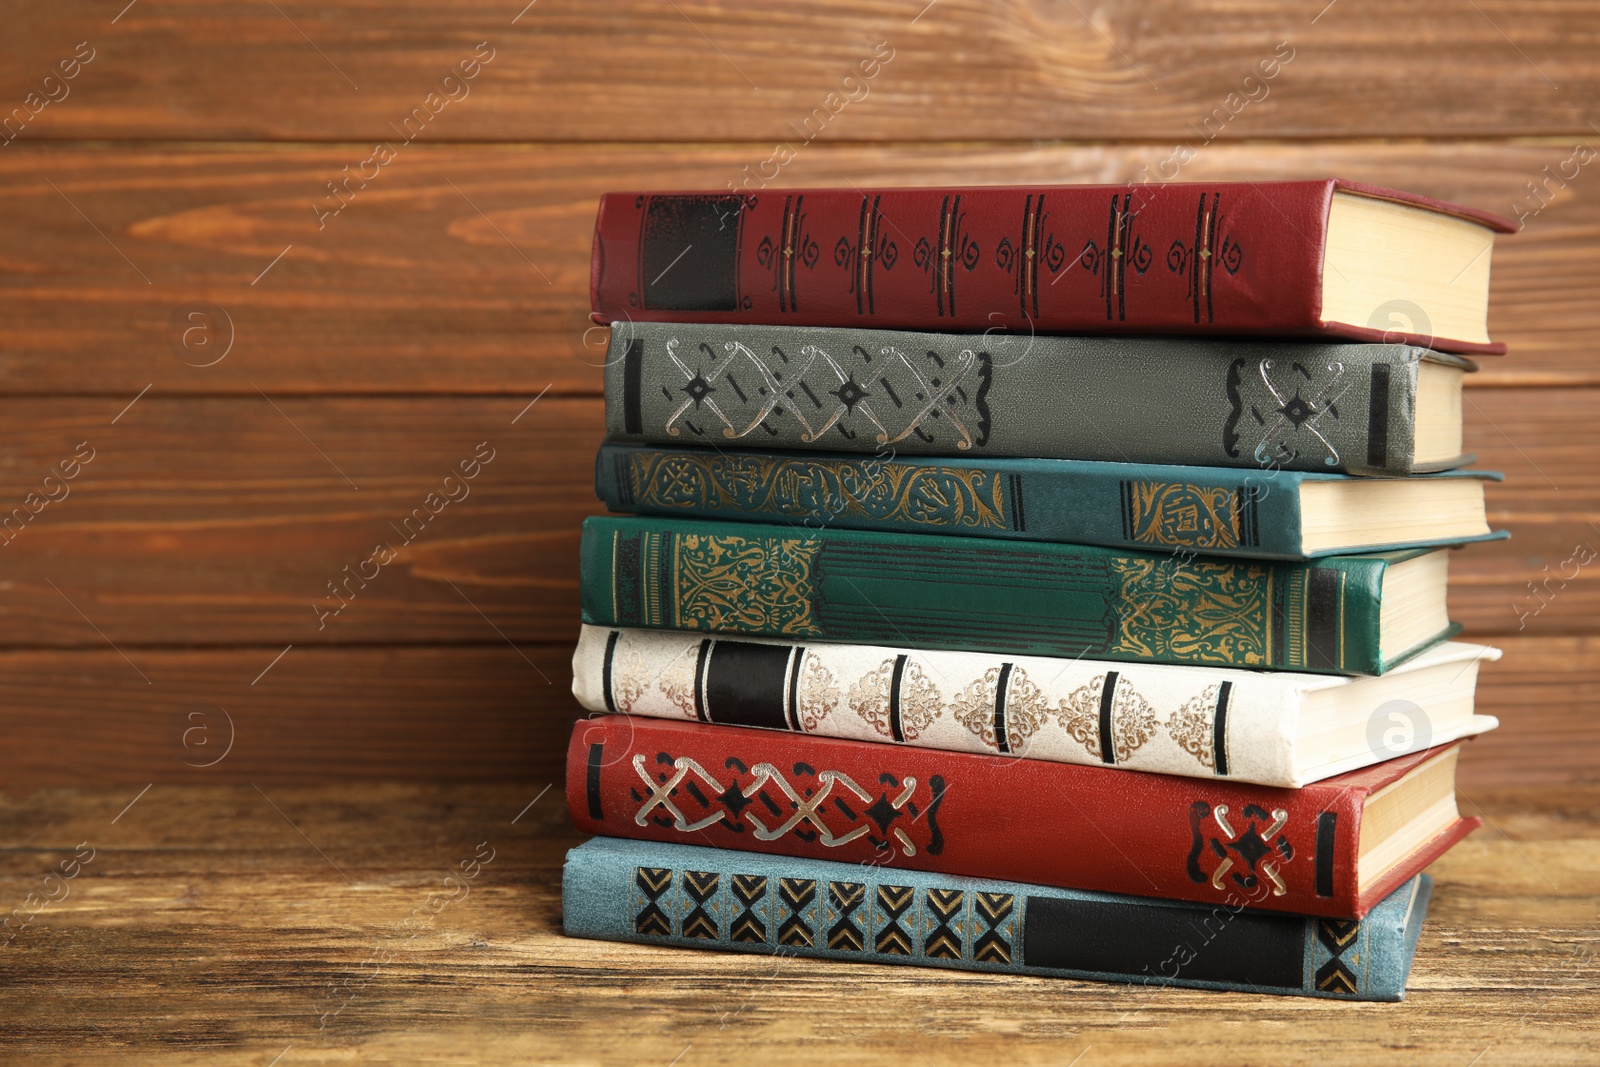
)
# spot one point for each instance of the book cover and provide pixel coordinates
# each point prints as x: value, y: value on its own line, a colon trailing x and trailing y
x: 1258, y: 405
x: 1152, y: 507
x: 894, y: 806
x: 690, y: 897
x: 1233, y: 258
x: 1023, y: 597
x: 1199, y: 722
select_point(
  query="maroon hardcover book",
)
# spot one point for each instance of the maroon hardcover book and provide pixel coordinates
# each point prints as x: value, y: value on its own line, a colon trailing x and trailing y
x: 1081, y: 827
x: 1236, y: 258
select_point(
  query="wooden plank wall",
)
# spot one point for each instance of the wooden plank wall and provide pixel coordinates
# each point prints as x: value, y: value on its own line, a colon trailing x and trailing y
x: 268, y: 374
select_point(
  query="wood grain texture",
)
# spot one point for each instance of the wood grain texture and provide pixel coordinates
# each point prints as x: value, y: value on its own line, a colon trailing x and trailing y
x: 695, y: 71
x: 226, y: 925
x: 301, y: 381
x: 493, y: 712
x: 502, y: 712
x: 465, y: 269
x: 224, y: 520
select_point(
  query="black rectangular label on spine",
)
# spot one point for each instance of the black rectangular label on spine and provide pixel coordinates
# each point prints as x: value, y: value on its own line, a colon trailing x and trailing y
x: 1001, y: 742
x: 605, y: 670
x: 700, y: 679
x: 744, y: 684
x: 1219, y: 729
x: 793, y: 708
x: 632, y: 387
x: 597, y: 753
x: 1018, y: 521
x: 894, y: 698
x: 1378, y: 417
x: 1156, y: 942
x: 1108, y: 748
x: 1322, y: 619
x: 1327, y: 840
x: 689, y: 252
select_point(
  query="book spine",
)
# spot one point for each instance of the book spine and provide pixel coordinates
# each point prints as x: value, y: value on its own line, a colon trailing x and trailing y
x: 1193, y: 721
x: 691, y: 897
x: 1009, y: 597
x: 1183, y: 509
x: 1259, y: 406
x: 1234, y: 258
x: 1205, y: 840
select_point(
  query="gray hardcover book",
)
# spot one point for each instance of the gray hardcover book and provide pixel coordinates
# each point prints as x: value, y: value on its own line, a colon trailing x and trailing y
x: 1351, y: 408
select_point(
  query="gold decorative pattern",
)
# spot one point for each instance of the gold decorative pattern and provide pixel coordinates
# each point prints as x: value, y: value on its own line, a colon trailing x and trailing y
x: 973, y: 707
x: 749, y: 584
x: 1193, y: 726
x: 1025, y: 710
x: 818, y: 694
x: 869, y: 697
x: 677, y: 682
x: 1182, y: 513
x: 1079, y: 714
x: 1195, y: 611
x: 1133, y: 721
x: 630, y: 678
x: 920, y: 701
x: 920, y: 494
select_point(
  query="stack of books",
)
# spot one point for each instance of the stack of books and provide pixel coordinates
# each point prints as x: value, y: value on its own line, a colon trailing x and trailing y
x: 952, y: 622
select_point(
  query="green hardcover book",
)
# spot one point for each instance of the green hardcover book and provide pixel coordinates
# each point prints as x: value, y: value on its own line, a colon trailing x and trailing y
x: 1341, y: 615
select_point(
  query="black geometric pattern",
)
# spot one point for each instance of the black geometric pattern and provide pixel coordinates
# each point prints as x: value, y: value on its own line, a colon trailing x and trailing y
x: 861, y: 917
x: 1335, y: 977
x: 701, y: 887
x: 846, y: 935
x: 1336, y: 936
x: 893, y: 903
x: 797, y: 894
x: 993, y: 909
x: 944, y: 908
x: 749, y: 890
x: 651, y: 920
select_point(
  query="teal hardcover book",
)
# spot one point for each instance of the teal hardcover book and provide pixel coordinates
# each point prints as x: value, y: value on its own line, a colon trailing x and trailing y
x: 1341, y: 615
x: 1265, y: 514
x: 686, y: 896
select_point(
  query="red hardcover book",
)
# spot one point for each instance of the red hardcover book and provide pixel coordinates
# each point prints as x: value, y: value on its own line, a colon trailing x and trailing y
x: 1153, y: 835
x: 1237, y: 258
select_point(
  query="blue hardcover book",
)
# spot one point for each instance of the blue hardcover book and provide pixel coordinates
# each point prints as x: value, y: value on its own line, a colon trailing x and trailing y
x: 1268, y: 514
x: 691, y: 897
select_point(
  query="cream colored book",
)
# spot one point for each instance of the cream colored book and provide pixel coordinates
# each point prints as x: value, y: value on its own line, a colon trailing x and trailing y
x: 1267, y: 727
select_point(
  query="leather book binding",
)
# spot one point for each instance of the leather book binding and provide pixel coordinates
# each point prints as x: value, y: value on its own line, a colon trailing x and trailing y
x: 689, y: 897
x: 889, y: 806
x: 1220, y: 511
x: 1025, y: 597
x: 1263, y: 406
x: 1234, y: 258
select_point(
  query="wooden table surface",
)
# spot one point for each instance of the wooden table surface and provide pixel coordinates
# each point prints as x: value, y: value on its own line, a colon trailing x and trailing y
x: 231, y: 925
